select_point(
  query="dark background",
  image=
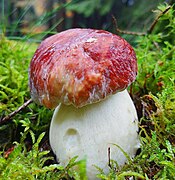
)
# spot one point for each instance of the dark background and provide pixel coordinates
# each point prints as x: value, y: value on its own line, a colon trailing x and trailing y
x: 37, y: 19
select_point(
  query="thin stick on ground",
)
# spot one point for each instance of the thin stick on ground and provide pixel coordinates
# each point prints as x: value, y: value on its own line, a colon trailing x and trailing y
x: 8, y: 117
x: 126, y: 32
x: 109, y: 157
x: 157, y: 19
x: 149, y: 31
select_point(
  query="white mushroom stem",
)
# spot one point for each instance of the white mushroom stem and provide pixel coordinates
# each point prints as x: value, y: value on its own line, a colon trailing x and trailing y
x: 89, y: 131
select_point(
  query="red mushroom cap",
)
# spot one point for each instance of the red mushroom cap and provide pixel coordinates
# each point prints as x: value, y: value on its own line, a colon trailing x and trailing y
x: 81, y: 66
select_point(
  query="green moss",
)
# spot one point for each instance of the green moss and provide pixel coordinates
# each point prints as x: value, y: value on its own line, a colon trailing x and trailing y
x: 14, y: 62
x: 22, y: 164
x: 156, y: 57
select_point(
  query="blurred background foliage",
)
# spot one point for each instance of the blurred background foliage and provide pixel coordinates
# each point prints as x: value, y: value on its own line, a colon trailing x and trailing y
x: 32, y: 19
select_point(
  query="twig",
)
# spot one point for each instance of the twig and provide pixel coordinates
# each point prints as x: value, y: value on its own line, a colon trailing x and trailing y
x: 8, y: 117
x: 150, y: 30
x: 126, y: 32
x: 109, y: 157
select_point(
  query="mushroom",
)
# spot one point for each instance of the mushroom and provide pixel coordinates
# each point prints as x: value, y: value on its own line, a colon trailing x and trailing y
x: 84, y: 73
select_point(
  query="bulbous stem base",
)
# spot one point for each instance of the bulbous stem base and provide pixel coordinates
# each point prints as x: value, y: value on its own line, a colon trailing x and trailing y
x: 90, y: 131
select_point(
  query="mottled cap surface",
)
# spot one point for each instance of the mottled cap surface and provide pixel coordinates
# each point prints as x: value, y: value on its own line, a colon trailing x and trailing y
x: 81, y: 66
